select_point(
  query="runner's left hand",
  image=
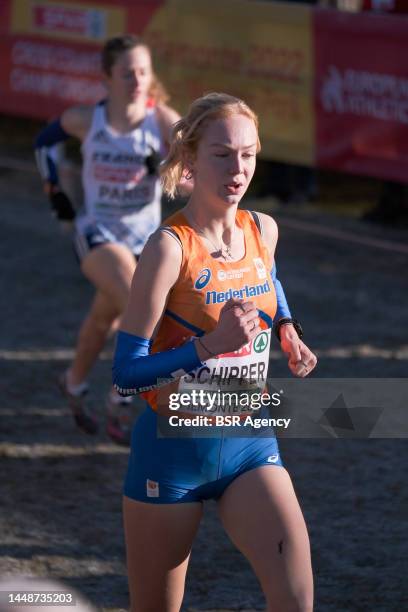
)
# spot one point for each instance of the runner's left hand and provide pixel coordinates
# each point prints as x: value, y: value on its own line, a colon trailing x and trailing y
x: 301, y: 359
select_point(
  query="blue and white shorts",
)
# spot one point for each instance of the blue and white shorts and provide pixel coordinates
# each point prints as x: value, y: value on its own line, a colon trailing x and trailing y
x: 93, y: 235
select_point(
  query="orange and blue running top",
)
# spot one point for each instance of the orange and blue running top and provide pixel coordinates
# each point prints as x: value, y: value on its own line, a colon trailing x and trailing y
x: 203, y: 287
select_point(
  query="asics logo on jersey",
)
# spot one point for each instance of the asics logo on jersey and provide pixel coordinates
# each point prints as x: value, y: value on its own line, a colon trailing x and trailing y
x: 203, y: 279
x: 248, y: 291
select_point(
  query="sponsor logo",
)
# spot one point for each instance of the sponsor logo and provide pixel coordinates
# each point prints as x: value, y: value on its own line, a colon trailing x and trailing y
x: 365, y: 94
x: 242, y: 352
x: 203, y: 279
x: 261, y: 342
x: 260, y: 267
x: 248, y: 291
x: 101, y: 137
x: 107, y: 157
x: 69, y: 20
x: 223, y: 275
x: 114, y: 174
x: 273, y: 458
x: 152, y: 488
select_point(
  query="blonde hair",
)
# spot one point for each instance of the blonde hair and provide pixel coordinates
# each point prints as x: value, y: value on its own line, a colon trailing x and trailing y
x: 187, y: 132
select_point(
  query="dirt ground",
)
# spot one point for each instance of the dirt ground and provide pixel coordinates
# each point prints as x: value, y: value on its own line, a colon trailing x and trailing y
x: 60, y: 490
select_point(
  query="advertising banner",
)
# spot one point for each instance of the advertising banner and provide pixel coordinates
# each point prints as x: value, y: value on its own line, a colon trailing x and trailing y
x: 330, y: 88
x: 361, y: 93
x: 50, y: 51
x: 260, y: 51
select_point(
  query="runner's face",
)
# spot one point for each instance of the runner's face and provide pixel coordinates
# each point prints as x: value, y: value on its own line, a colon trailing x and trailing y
x: 225, y: 161
x: 131, y: 75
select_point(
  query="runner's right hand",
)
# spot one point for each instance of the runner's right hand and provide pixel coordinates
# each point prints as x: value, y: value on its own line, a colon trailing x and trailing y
x: 152, y: 163
x: 238, y: 324
x: 61, y: 205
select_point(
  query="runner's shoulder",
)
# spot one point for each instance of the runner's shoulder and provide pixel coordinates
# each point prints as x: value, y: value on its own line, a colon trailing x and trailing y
x: 269, y: 231
x: 269, y: 226
x: 166, y: 117
x: 77, y: 120
x: 165, y: 247
x: 167, y: 113
x: 160, y: 261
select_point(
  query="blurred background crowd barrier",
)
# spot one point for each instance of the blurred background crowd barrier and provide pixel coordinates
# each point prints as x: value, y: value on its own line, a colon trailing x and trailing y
x: 330, y: 86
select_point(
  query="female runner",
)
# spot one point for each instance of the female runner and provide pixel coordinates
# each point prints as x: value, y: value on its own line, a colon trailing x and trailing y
x: 203, y: 301
x: 123, y: 138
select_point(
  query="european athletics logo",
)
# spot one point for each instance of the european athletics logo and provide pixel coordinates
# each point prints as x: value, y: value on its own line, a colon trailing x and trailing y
x: 248, y: 291
x: 203, y: 279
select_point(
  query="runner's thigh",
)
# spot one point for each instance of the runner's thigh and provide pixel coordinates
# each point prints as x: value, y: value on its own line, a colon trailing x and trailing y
x: 158, y: 544
x: 262, y: 516
x: 110, y: 269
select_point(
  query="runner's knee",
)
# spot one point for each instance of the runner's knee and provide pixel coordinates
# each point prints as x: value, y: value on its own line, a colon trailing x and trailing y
x: 121, y: 299
x: 114, y: 325
x: 101, y: 322
x: 303, y: 602
x: 299, y: 601
x: 155, y: 603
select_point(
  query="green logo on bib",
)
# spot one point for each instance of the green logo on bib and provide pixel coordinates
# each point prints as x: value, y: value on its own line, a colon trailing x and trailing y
x: 260, y: 342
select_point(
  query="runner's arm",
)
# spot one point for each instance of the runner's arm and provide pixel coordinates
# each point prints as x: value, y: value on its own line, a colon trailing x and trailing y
x: 167, y: 117
x: 134, y: 370
x: 298, y: 353
x: 73, y: 122
x: 270, y: 235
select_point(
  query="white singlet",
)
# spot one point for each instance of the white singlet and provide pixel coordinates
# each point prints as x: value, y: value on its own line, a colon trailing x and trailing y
x: 121, y: 199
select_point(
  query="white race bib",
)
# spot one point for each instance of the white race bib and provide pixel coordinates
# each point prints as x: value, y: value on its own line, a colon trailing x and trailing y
x: 224, y: 384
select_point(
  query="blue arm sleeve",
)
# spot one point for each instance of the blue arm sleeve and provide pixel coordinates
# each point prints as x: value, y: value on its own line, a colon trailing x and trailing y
x: 134, y: 370
x: 51, y: 135
x: 283, y: 308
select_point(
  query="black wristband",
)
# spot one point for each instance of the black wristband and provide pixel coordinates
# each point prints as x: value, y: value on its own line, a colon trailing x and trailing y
x: 286, y: 321
x: 62, y: 206
x: 152, y: 163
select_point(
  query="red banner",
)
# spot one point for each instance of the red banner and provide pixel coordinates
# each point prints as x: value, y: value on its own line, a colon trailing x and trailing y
x: 361, y: 93
x: 50, y: 50
x: 331, y: 88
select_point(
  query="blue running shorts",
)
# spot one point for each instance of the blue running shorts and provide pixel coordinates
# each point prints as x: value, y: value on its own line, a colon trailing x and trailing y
x: 164, y: 470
